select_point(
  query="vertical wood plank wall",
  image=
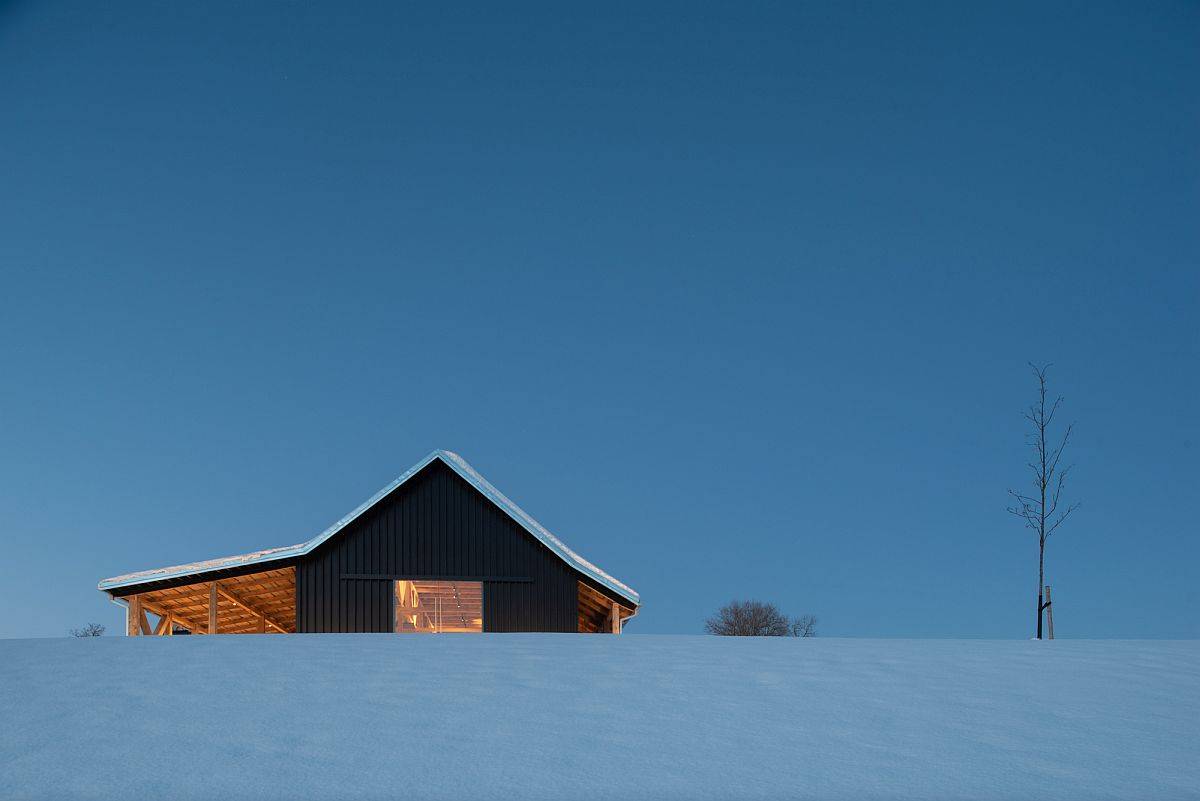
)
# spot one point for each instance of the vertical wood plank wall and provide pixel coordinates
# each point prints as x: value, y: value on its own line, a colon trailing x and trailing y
x: 435, y: 525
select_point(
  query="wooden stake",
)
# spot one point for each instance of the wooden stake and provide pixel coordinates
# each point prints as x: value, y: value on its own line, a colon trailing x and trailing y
x: 1049, y: 615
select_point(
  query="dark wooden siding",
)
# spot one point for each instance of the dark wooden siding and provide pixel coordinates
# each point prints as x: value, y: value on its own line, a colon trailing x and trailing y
x: 436, y: 525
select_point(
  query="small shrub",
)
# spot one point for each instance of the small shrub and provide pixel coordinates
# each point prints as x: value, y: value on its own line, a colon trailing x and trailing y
x: 758, y: 619
x: 90, y: 630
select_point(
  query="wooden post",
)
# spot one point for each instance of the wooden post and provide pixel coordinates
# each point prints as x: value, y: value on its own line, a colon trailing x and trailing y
x: 262, y: 625
x: 614, y: 619
x: 1049, y: 615
x: 170, y: 625
x: 133, y: 616
x: 212, y: 608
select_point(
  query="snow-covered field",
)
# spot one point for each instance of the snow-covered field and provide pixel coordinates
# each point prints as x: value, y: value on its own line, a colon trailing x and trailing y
x: 592, y: 717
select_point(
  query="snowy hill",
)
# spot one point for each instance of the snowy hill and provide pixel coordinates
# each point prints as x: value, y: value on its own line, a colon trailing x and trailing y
x: 568, y: 716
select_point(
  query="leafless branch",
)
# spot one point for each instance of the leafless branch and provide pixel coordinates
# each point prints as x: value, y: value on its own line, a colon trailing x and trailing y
x: 1058, y: 451
x: 1061, y: 519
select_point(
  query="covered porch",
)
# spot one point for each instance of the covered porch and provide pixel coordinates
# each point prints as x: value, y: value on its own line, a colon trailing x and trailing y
x: 599, y: 614
x: 254, y: 603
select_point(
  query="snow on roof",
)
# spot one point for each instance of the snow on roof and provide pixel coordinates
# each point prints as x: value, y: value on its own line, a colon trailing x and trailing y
x: 454, y: 462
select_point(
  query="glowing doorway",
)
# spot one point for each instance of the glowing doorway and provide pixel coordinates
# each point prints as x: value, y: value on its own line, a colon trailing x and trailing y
x: 430, y: 607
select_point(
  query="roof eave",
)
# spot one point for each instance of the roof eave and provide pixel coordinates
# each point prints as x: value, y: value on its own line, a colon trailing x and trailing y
x: 451, y: 460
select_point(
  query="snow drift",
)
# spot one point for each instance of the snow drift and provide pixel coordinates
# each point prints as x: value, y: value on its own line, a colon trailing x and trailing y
x: 592, y: 717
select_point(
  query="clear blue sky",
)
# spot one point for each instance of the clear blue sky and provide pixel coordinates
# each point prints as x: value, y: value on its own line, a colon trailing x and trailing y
x: 737, y: 301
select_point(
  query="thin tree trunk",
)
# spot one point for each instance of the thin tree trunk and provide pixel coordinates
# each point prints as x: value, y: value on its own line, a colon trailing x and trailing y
x: 1042, y: 481
x: 1041, y: 573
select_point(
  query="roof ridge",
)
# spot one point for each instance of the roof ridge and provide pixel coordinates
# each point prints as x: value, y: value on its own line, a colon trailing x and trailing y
x: 542, y: 532
x: 451, y: 459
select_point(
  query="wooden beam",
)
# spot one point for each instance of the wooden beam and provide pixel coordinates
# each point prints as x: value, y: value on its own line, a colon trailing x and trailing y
x: 133, y: 616
x: 164, y: 622
x: 212, y: 608
x: 194, y: 628
x: 229, y: 596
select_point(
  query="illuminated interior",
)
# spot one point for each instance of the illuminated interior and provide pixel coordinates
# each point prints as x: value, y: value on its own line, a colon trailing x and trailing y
x: 438, y: 606
x: 255, y: 603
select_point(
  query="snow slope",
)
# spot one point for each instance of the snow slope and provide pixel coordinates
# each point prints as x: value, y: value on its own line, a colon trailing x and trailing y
x: 567, y: 716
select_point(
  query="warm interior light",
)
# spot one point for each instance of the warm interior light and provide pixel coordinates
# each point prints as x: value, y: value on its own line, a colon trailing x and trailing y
x: 431, y: 607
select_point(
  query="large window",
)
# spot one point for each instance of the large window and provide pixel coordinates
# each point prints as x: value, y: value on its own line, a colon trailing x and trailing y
x: 438, y: 606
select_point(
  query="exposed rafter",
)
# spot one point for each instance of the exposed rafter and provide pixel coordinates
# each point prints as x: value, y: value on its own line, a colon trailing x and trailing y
x: 235, y: 599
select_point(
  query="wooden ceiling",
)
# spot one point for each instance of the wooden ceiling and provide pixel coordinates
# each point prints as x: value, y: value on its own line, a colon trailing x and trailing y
x: 242, y: 602
x: 595, y: 611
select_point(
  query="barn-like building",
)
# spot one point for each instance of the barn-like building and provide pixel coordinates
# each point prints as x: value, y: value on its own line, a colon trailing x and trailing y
x: 437, y: 550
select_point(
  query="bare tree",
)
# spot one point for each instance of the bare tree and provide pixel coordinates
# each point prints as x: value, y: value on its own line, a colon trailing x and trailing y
x: 90, y: 630
x: 1041, y: 510
x: 757, y: 619
x: 804, y: 626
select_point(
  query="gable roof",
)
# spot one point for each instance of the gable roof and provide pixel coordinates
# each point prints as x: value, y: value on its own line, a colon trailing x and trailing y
x: 451, y: 460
